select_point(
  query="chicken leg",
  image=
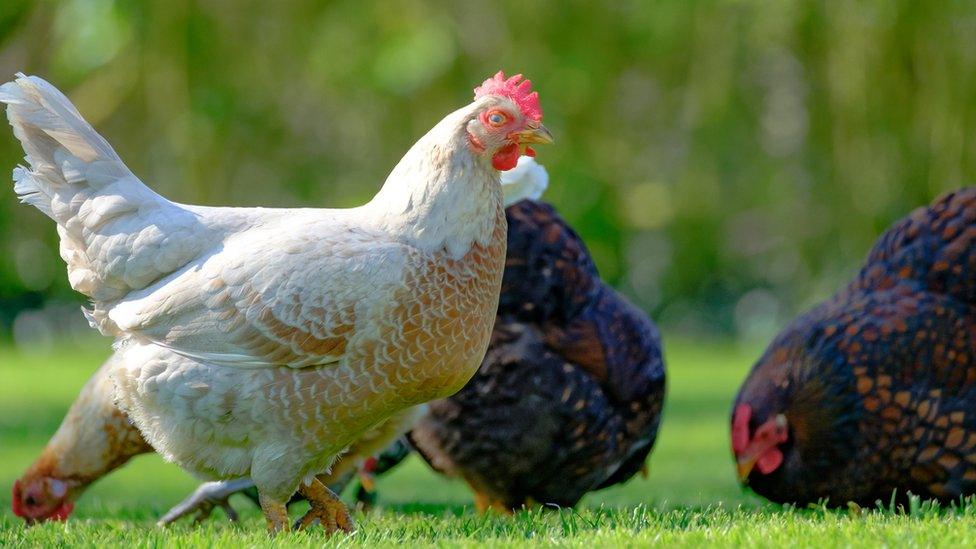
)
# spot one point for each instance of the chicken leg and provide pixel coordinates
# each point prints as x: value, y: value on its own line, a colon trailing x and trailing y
x: 326, y: 509
x: 276, y: 513
x: 485, y: 502
x: 205, y: 499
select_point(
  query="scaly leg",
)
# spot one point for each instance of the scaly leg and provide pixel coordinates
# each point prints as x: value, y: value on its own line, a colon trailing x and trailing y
x: 483, y: 502
x: 326, y: 509
x: 276, y: 513
x: 205, y: 499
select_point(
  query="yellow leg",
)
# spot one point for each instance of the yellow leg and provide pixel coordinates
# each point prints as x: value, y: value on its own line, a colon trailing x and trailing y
x: 483, y: 502
x: 326, y: 509
x: 276, y: 513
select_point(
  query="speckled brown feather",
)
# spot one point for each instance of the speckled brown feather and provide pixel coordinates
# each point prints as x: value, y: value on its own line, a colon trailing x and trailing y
x: 878, y: 383
x: 569, y: 396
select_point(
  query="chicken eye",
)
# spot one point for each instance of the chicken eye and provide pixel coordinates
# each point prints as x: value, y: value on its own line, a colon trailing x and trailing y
x: 496, y: 118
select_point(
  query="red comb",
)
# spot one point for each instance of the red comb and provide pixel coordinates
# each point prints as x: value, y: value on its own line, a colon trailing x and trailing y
x: 16, y: 503
x: 516, y: 89
x: 740, y: 427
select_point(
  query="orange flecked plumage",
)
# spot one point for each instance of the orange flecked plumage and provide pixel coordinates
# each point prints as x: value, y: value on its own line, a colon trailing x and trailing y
x: 870, y: 381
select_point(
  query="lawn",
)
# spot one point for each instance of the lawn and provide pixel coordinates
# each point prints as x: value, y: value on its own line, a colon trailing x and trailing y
x: 689, y: 498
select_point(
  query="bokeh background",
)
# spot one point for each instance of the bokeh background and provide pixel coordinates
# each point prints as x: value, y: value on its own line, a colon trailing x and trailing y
x: 728, y: 162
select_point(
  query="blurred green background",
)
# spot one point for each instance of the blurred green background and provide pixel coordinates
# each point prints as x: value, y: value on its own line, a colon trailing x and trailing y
x: 727, y: 162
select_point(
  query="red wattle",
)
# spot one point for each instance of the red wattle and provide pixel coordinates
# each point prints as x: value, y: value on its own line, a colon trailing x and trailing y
x: 16, y: 503
x: 530, y: 152
x: 62, y: 512
x: 768, y: 462
x: 369, y: 465
x: 506, y: 158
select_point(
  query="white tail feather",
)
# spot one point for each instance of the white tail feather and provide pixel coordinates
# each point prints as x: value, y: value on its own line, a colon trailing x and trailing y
x: 117, y: 235
x: 29, y: 192
x: 60, y: 145
x: 527, y: 180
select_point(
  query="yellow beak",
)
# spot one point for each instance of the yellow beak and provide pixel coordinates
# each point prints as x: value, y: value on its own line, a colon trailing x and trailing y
x: 744, y: 467
x: 366, y: 480
x: 535, y: 134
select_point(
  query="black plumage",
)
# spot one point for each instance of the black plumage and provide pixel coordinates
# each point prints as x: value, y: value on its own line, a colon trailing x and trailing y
x: 874, y: 390
x: 569, y: 396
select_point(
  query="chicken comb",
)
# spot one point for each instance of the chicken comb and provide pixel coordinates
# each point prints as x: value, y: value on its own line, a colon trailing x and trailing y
x: 740, y: 428
x: 514, y: 88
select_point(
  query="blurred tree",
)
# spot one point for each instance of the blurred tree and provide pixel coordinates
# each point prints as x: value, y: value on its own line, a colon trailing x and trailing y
x: 727, y: 162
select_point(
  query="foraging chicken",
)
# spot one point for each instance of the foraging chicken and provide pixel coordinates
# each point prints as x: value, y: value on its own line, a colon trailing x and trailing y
x: 94, y: 439
x: 261, y: 342
x: 568, y: 398
x: 873, y: 390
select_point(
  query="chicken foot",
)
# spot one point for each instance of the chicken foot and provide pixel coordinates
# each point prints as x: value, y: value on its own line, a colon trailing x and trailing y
x: 211, y: 495
x: 207, y: 497
x: 326, y: 509
x: 484, y: 502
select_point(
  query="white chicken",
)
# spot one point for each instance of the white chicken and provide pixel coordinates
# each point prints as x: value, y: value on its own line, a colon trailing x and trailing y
x: 95, y: 437
x: 261, y: 342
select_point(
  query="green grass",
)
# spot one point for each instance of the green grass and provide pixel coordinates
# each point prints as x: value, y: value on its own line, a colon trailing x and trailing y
x: 689, y: 498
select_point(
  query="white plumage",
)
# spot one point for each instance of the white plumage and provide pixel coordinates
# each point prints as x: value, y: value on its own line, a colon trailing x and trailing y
x: 262, y: 341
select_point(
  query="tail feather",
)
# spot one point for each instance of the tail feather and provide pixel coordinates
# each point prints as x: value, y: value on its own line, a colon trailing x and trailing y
x: 117, y: 235
x: 528, y: 180
x: 30, y: 192
x: 64, y: 153
x: 37, y: 107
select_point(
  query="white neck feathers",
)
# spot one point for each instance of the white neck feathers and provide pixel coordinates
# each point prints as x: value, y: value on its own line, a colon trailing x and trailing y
x: 441, y: 196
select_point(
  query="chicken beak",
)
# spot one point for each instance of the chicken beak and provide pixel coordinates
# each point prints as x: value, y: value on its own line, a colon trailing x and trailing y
x: 367, y: 481
x: 763, y: 450
x: 745, y: 465
x: 535, y: 134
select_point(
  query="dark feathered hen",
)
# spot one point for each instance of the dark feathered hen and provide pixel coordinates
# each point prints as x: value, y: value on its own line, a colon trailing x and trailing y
x: 874, y: 390
x: 569, y: 396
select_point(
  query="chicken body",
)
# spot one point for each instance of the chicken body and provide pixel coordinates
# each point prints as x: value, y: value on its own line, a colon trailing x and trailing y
x: 568, y: 398
x: 96, y: 437
x: 280, y: 424
x: 261, y: 342
x: 873, y: 390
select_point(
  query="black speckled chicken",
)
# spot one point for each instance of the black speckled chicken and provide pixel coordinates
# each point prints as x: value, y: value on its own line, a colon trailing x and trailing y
x: 569, y: 396
x: 874, y: 390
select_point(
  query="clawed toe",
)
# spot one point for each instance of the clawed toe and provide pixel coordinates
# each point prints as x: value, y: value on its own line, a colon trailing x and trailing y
x: 326, y: 509
x: 333, y: 518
